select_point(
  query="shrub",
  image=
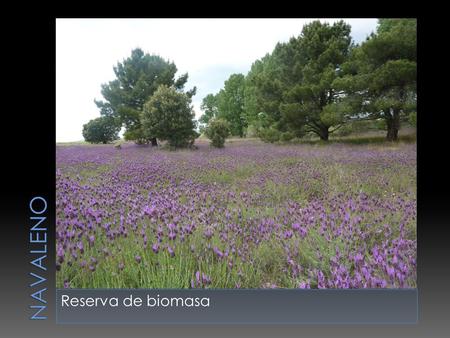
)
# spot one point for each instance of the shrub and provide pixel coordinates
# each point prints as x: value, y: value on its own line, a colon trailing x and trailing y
x: 217, y: 131
x: 286, y: 136
x: 101, y: 130
x: 136, y: 135
x: 168, y: 115
x: 270, y: 135
x: 252, y: 131
x: 412, y: 119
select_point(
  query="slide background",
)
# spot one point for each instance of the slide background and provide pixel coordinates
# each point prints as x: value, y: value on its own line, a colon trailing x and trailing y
x: 28, y: 169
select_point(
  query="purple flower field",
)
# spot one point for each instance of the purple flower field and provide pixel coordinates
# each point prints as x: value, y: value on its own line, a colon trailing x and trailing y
x: 251, y: 215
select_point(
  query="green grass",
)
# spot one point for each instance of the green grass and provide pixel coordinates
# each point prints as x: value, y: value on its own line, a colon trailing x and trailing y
x: 379, y: 138
x: 267, y: 259
x: 156, y: 270
x: 223, y: 176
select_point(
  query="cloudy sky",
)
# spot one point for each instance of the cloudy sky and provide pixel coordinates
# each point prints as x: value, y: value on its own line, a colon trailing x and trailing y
x: 210, y: 50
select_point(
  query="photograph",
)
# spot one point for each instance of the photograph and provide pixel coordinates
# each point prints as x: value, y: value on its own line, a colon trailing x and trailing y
x: 236, y: 153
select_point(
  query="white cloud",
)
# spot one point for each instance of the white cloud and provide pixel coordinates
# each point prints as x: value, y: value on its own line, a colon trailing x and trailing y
x: 208, y: 49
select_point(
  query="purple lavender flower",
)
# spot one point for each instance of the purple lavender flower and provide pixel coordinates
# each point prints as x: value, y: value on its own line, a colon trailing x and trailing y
x: 321, y: 283
x: 206, y: 280
x: 358, y: 258
x: 60, y: 254
x: 80, y: 247
x: 208, y: 233
x: 155, y: 247
x: 218, y: 252
x: 170, y: 250
x: 303, y: 231
x: 91, y: 239
x: 288, y: 234
x: 391, y: 272
x: 149, y: 210
x: 169, y: 198
x: 304, y: 285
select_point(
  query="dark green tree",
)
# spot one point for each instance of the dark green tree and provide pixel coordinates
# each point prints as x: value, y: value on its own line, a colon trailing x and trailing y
x: 101, y: 130
x: 217, y: 131
x: 263, y: 93
x: 291, y: 89
x: 168, y: 115
x: 137, y: 78
x: 230, y: 104
x: 308, y: 66
x: 209, y: 107
x: 380, y: 77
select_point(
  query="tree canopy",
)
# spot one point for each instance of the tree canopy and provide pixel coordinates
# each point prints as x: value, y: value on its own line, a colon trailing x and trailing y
x: 217, y: 131
x: 291, y: 88
x: 209, y: 107
x: 380, y: 77
x: 168, y: 115
x: 320, y: 80
x: 309, y: 65
x: 137, y: 78
x: 228, y: 104
x: 315, y: 83
x: 101, y: 130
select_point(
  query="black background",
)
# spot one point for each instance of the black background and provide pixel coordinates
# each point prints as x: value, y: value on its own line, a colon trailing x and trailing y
x: 28, y: 169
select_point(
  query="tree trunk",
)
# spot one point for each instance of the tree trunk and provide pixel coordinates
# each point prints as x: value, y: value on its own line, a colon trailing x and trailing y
x: 324, y: 133
x: 393, y: 125
x: 154, y: 142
